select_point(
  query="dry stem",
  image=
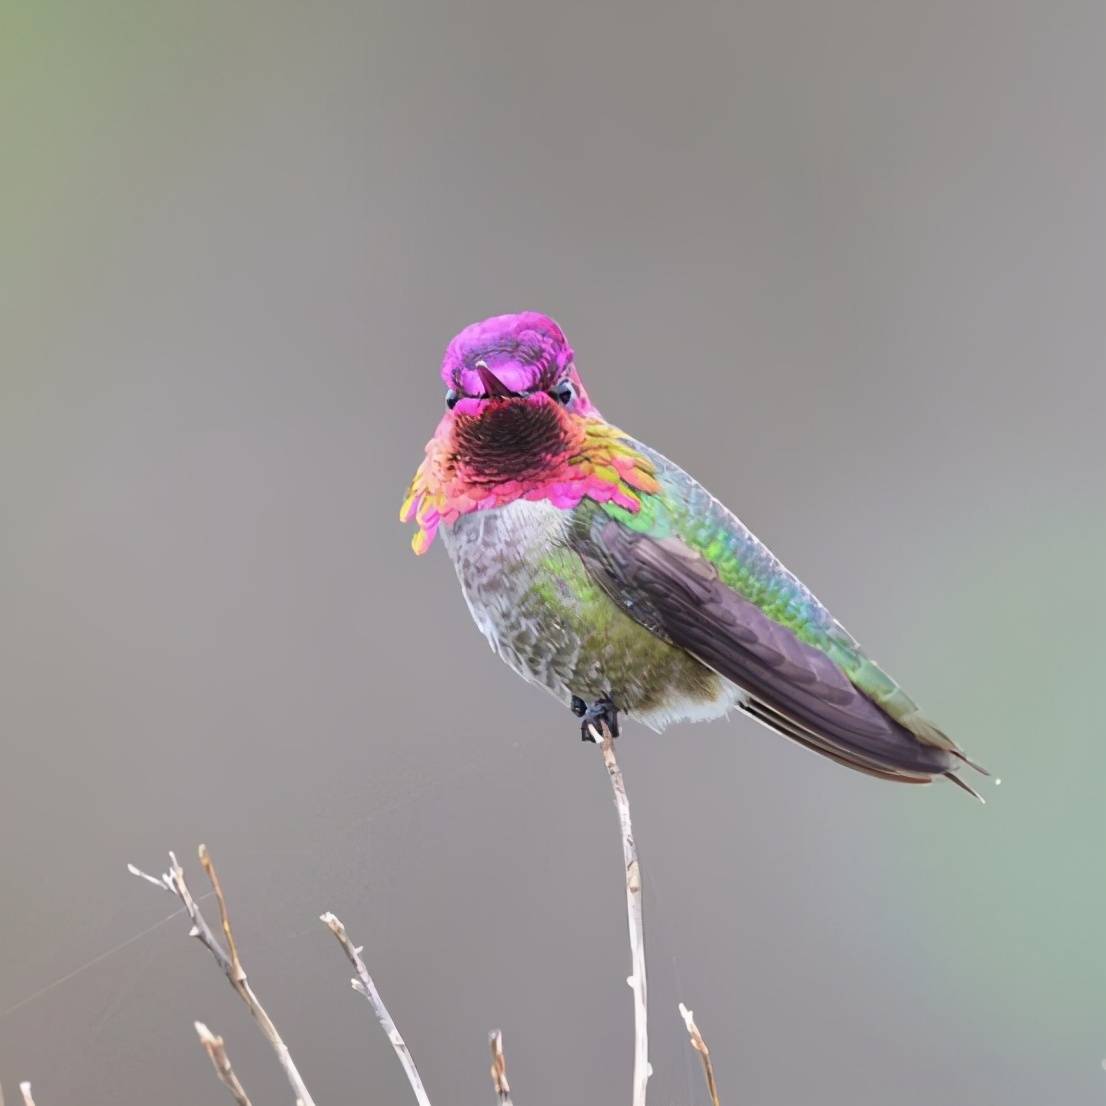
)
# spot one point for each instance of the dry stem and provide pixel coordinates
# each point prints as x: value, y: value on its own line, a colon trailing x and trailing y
x: 217, y: 887
x: 25, y: 1091
x: 700, y: 1047
x: 217, y: 1054
x: 364, y: 985
x: 230, y: 963
x: 173, y: 881
x: 634, y: 917
x: 499, y: 1069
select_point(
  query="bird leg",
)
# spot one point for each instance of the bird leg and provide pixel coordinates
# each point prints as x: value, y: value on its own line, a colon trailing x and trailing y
x: 602, y: 710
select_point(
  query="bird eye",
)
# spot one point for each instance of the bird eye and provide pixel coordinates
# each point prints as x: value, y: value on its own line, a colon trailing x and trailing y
x: 564, y: 393
x: 451, y: 398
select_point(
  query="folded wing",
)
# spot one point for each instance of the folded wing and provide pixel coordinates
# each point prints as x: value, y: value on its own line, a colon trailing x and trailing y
x: 791, y: 686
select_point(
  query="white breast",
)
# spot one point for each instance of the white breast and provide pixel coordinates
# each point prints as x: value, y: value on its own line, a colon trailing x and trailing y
x: 496, y: 554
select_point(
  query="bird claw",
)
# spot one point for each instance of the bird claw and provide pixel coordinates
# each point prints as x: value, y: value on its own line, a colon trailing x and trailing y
x: 600, y: 712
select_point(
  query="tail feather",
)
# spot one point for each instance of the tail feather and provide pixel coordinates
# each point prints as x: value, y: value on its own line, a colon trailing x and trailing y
x: 925, y: 731
x: 954, y: 778
x: 969, y: 762
x: 850, y: 757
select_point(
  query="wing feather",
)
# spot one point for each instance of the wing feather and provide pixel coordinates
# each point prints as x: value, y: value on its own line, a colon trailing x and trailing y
x: 792, y: 686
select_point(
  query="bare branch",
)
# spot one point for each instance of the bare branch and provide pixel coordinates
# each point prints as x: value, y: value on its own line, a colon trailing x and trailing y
x: 174, y: 882
x: 364, y: 985
x: 224, y: 917
x: 700, y: 1047
x: 25, y: 1090
x: 499, y: 1069
x: 634, y: 917
x: 159, y: 882
x: 217, y: 1054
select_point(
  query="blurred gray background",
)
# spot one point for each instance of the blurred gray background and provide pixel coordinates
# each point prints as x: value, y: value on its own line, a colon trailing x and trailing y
x: 845, y: 262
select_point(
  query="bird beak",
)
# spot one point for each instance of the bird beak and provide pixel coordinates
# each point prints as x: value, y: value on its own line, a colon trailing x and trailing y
x: 494, y: 388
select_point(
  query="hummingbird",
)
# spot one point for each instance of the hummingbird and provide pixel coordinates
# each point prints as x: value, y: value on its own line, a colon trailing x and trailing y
x: 601, y: 571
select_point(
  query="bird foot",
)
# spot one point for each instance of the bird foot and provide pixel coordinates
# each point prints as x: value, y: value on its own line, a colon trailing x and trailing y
x: 600, y: 712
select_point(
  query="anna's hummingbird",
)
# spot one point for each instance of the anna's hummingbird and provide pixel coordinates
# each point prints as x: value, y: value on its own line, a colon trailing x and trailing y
x: 600, y: 570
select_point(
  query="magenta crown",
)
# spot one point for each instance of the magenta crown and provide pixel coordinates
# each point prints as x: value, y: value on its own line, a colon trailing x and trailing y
x: 527, y: 352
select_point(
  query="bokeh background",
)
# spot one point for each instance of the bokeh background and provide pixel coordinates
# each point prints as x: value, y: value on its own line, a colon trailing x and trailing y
x: 845, y: 262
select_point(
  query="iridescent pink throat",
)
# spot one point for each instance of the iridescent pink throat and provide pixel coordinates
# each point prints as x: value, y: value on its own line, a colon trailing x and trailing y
x: 595, y: 461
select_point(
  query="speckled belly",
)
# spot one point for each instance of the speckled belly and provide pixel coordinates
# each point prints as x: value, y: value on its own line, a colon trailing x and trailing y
x: 542, y: 613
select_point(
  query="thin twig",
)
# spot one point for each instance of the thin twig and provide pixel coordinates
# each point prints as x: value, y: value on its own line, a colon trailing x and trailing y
x: 217, y: 1054
x: 173, y: 881
x: 25, y: 1091
x: 634, y: 918
x: 364, y: 985
x: 700, y: 1047
x: 224, y: 917
x: 499, y: 1069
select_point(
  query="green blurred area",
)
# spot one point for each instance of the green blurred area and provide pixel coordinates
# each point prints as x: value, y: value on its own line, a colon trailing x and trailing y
x: 1022, y: 906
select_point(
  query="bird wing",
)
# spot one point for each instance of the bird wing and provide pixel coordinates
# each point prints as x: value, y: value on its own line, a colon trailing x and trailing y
x: 686, y: 568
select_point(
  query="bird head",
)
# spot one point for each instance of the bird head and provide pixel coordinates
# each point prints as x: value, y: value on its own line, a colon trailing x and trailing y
x: 512, y: 361
x: 518, y: 425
